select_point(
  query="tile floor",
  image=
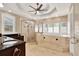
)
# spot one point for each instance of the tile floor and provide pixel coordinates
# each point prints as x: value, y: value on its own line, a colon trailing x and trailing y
x: 37, y: 50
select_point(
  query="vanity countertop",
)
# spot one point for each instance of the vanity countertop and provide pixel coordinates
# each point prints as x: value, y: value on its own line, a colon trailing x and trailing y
x: 10, y: 42
x: 10, y: 33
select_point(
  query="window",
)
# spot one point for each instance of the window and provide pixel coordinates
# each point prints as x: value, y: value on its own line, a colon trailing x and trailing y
x: 8, y: 23
x: 56, y: 27
x: 40, y: 27
x: 50, y: 28
x: 45, y: 28
x: 63, y: 28
x: 36, y: 28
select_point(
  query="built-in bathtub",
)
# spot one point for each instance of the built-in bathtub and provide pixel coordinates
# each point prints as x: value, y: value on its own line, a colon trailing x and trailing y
x: 54, y: 42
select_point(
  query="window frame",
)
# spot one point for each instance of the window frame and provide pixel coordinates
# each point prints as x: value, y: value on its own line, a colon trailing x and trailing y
x: 4, y: 15
x: 47, y: 28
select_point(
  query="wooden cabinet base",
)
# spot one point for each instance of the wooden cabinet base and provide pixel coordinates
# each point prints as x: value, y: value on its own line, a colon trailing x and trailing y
x: 10, y: 51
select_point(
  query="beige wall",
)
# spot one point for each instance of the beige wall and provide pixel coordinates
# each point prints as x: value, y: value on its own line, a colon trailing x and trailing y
x: 53, y: 20
x: 18, y: 25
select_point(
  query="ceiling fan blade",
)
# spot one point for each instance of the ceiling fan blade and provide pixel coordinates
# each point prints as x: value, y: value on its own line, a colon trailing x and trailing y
x: 32, y: 7
x: 40, y: 7
x: 30, y: 11
x: 43, y: 10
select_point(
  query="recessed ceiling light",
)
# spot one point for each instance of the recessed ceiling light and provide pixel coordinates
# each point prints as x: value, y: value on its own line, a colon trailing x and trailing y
x: 1, y: 5
x: 9, y: 10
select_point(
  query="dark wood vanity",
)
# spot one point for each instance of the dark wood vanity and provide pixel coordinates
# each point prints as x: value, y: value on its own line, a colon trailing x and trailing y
x: 12, y: 47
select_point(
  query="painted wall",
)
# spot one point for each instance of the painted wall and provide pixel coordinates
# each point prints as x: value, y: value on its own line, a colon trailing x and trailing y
x: 53, y: 20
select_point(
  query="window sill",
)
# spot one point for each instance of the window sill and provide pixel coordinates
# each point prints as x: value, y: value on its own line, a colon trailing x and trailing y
x: 55, y: 34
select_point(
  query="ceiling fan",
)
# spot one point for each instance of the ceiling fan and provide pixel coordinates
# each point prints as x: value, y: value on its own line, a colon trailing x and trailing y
x: 37, y: 9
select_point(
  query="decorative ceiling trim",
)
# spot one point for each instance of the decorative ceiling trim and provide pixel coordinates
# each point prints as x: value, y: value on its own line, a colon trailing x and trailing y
x: 54, y: 10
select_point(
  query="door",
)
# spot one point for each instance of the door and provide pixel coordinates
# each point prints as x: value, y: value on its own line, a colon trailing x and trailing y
x: 74, y: 30
x: 25, y: 30
x: 71, y: 30
x: 73, y: 26
x: 76, y: 7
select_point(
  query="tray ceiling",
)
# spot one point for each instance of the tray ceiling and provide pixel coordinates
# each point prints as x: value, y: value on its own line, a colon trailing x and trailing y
x: 51, y: 9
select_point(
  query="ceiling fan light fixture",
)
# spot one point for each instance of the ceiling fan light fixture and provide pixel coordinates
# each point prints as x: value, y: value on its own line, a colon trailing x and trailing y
x: 37, y: 9
x: 9, y: 10
x: 37, y: 3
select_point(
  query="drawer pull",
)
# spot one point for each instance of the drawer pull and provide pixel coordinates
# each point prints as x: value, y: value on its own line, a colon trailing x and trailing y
x: 43, y: 37
x: 17, y: 52
x: 56, y: 39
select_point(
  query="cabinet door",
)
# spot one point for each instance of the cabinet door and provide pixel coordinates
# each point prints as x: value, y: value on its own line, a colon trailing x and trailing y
x: 10, y: 51
x: 7, y: 52
x: 19, y: 50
